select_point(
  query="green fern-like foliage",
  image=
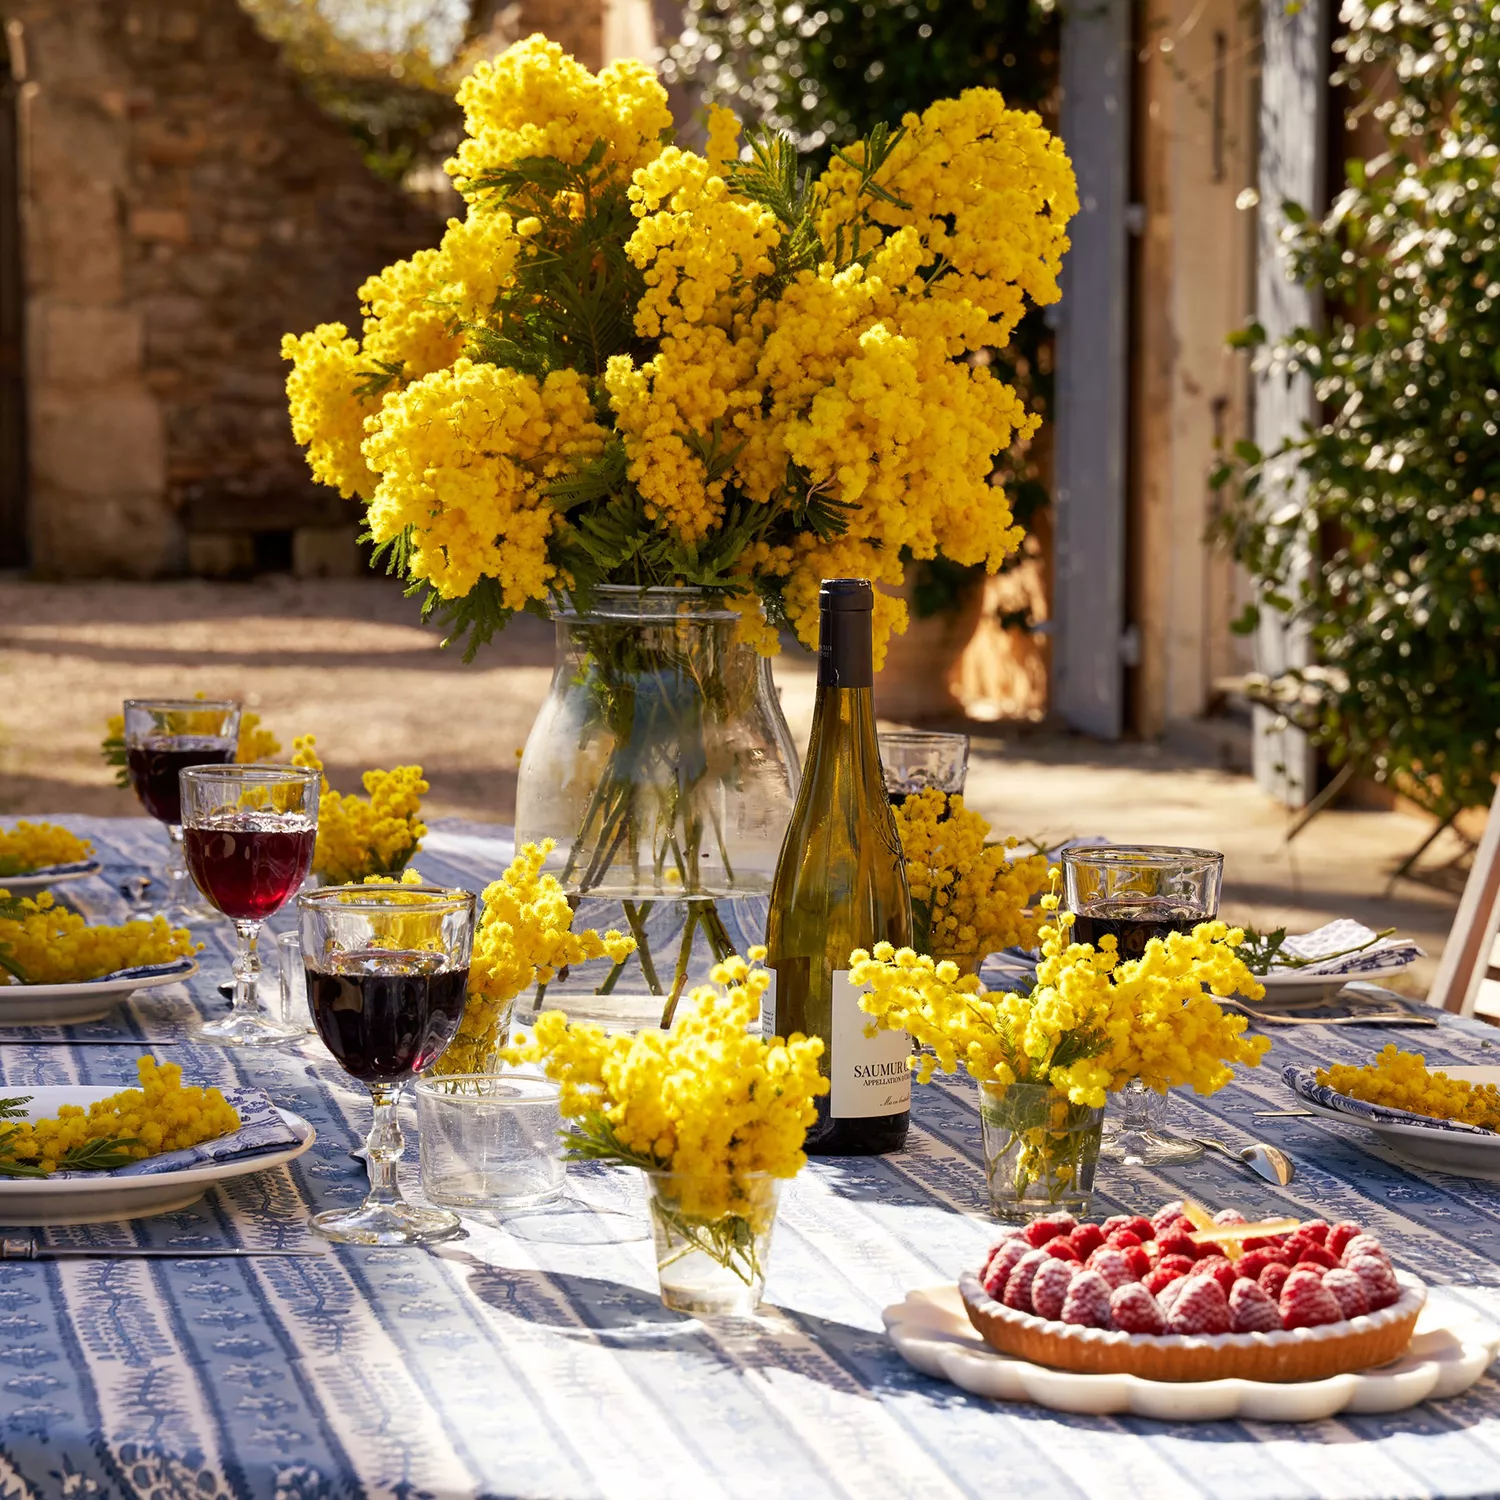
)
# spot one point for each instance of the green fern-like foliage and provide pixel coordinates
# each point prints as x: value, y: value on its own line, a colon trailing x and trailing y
x: 573, y: 303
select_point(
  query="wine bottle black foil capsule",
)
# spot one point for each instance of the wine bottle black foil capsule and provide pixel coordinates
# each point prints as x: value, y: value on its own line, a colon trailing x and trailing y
x: 841, y: 884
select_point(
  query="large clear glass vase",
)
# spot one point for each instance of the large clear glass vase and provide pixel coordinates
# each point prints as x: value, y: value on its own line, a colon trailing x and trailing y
x: 662, y: 767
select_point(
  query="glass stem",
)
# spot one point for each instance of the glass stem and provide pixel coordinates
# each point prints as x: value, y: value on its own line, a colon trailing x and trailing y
x: 247, y: 970
x: 383, y: 1146
x: 179, y: 883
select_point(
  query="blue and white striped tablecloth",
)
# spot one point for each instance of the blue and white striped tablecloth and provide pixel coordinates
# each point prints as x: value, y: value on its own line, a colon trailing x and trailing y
x: 506, y: 1367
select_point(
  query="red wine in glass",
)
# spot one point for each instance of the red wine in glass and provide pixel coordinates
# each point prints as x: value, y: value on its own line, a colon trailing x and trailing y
x: 250, y: 864
x: 386, y: 1014
x: 154, y: 764
x: 1132, y: 921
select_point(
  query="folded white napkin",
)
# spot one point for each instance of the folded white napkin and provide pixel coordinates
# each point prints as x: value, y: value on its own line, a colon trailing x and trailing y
x: 1339, y: 937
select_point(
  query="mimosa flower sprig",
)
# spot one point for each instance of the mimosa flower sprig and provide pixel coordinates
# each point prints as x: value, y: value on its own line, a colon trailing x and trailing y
x: 1402, y: 1080
x: 44, y: 943
x: 1090, y: 1023
x: 629, y: 363
x: 256, y: 743
x: 524, y: 936
x: 39, y: 846
x: 708, y: 1101
x: 161, y: 1115
x: 359, y: 837
x: 968, y: 896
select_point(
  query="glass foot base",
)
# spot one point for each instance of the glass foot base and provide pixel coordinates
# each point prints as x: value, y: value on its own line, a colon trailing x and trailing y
x: 398, y: 1223
x: 570, y: 1221
x: 189, y: 913
x: 1149, y: 1148
x: 236, y: 1030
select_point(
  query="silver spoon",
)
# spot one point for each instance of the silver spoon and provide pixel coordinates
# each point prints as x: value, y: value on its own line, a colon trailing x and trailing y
x: 1265, y: 1161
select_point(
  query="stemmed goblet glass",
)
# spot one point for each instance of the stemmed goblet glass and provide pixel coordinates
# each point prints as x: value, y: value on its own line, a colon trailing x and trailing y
x: 387, y: 973
x: 163, y: 735
x: 1133, y: 893
x: 249, y: 832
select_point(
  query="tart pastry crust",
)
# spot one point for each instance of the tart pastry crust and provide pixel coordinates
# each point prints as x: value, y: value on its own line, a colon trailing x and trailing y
x: 1296, y: 1354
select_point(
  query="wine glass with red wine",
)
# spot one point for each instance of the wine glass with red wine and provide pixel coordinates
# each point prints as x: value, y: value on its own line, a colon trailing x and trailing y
x: 1134, y: 893
x: 387, y: 973
x: 162, y: 735
x: 248, y: 832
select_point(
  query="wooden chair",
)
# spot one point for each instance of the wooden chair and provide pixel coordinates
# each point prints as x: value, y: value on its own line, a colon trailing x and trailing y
x: 1473, y: 946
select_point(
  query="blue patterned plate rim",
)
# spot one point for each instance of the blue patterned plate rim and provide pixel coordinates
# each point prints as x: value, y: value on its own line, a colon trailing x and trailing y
x: 1304, y: 1083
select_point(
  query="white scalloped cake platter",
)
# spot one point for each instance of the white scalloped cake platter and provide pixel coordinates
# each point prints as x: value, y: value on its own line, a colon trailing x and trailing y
x: 932, y: 1333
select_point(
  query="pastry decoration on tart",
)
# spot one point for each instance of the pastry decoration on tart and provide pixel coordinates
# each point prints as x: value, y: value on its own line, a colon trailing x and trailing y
x: 1185, y: 1295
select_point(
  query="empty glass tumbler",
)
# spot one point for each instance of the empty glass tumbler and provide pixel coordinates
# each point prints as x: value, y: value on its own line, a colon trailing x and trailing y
x: 490, y: 1140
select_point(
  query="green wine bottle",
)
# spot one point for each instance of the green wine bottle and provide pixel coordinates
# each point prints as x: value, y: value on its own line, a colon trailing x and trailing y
x: 841, y: 884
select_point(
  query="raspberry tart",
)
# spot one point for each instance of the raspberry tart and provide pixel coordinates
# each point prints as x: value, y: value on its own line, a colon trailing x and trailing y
x: 1188, y: 1296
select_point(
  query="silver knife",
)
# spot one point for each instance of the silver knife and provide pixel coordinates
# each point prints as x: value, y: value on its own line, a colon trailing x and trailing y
x: 31, y: 1250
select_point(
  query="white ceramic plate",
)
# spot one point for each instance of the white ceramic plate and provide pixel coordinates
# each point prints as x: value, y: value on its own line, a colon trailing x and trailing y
x: 1291, y: 987
x: 932, y: 1332
x: 49, y: 1203
x: 1459, y: 1152
x: 59, y: 1004
x: 29, y: 885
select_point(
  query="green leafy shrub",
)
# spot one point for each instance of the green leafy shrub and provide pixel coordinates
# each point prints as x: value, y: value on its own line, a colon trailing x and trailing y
x: 1401, y: 512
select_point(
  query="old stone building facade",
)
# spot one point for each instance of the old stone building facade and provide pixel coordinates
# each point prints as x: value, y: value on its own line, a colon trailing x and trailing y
x: 181, y: 204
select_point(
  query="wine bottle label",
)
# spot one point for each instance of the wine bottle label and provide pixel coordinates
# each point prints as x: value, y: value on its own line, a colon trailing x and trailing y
x: 768, y: 1008
x: 870, y: 1074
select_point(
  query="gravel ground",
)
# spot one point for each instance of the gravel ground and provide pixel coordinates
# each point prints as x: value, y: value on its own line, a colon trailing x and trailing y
x: 349, y: 662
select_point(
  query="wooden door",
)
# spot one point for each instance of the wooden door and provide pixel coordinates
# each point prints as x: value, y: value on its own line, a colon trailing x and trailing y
x: 13, y: 529
x: 1092, y: 371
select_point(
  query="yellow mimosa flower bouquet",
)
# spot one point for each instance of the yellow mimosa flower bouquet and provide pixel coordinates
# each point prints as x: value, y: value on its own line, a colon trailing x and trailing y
x: 629, y: 363
x: 717, y: 1112
x: 1089, y: 1025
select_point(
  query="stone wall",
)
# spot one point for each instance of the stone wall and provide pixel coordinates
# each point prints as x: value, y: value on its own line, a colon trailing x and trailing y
x: 184, y: 204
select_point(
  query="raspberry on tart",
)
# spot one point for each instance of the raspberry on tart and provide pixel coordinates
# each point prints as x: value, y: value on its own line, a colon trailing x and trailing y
x: 1050, y: 1286
x: 1340, y: 1235
x: 1018, y: 1286
x: 1251, y: 1310
x: 1201, y: 1307
x: 1086, y: 1239
x: 1348, y: 1291
x: 1112, y: 1266
x: 1273, y: 1277
x: 1087, y: 1302
x: 1262, y: 1300
x: 1135, y: 1310
x: 1306, y: 1302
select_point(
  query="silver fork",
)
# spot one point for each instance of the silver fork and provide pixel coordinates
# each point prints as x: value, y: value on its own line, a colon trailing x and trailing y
x: 1372, y: 1018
